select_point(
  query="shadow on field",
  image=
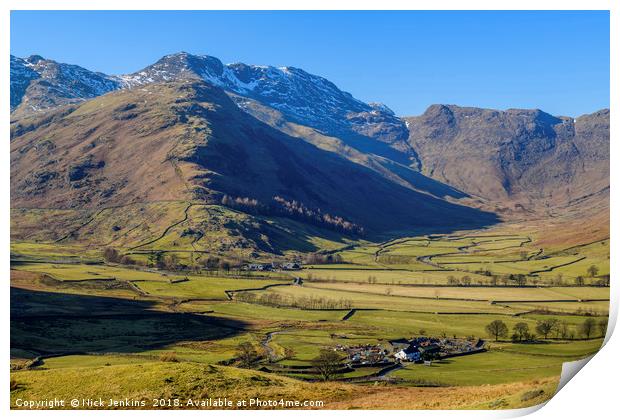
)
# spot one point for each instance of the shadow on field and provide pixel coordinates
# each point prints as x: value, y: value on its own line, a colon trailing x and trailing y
x: 47, y: 323
x: 439, y: 363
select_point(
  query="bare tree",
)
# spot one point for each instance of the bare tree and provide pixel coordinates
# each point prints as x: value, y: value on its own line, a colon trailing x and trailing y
x: 246, y: 353
x: 579, y: 281
x: 111, y: 255
x: 521, y: 280
x: 593, y: 271
x: 587, y: 328
x: 327, y: 364
x: 497, y: 329
x: 603, y: 281
x: 171, y: 261
x: 544, y: 327
x: 521, y: 330
x: 563, y: 330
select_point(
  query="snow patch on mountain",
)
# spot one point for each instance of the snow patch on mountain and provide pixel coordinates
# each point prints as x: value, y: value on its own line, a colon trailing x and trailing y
x: 43, y: 84
x: 304, y: 98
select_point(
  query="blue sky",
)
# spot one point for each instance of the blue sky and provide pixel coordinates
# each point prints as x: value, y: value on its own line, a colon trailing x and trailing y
x: 555, y: 61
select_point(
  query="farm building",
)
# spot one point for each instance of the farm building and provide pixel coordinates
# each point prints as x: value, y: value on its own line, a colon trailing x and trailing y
x: 430, y: 351
x: 291, y: 266
x: 399, y: 344
x: 365, y: 354
x: 427, y: 348
x: 259, y: 267
x: 410, y: 354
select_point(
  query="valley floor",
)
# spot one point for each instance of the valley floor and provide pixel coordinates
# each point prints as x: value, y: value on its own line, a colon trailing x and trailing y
x: 84, y: 327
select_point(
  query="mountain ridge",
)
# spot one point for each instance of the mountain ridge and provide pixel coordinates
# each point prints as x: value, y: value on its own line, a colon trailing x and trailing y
x: 189, y: 141
x: 38, y: 84
x: 514, y: 162
x: 522, y: 155
x: 305, y: 98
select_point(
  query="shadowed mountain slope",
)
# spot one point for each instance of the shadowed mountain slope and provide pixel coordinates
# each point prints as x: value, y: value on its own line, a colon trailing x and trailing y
x: 189, y: 141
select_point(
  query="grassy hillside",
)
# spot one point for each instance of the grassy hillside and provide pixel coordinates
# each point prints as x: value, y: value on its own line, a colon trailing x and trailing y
x: 189, y: 141
x: 192, y: 231
x: 181, y: 381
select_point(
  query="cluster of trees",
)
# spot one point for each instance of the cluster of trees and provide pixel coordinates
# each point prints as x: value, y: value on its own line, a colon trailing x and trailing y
x: 213, y: 263
x: 603, y: 281
x: 297, y: 210
x: 294, y: 210
x: 463, y: 281
x: 164, y: 261
x: 171, y: 261
x: 396, y: 259
x: 521, y: 332
x: 332, y: 279
x: 592, y: 273
x: 168, y: 261
x: 245, y: 204
x: 522, y: 280
x: 112, y: 255
x: 316, y: 258
x: 302, y: 302
x: 579, y: 311
x: 519, y: 280
x: 546, y: 328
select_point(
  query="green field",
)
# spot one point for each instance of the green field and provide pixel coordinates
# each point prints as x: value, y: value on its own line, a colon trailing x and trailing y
x: 595, y: 308
x: 71, y: 272
x: 379, y: 301
x: 243, y: 310
x: 481, y: 369
x: 393, y: 276
x: 90, y: 319
x: 201, y: 287
x: 474, y: 293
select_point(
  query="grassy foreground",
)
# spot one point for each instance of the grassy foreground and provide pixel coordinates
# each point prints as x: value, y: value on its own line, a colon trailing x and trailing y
x: 159, y: 381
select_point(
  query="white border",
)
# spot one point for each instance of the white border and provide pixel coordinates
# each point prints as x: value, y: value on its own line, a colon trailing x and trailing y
x: 592, y: 395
